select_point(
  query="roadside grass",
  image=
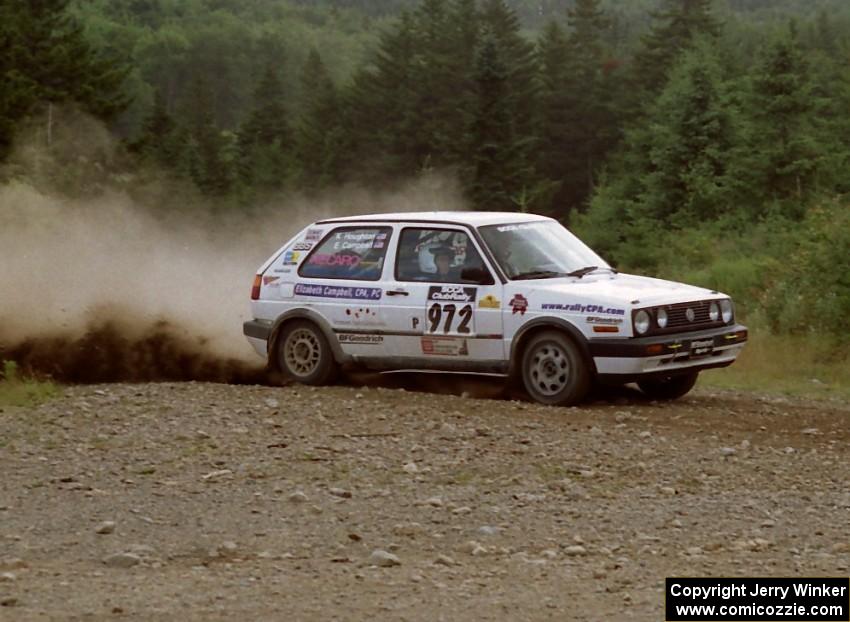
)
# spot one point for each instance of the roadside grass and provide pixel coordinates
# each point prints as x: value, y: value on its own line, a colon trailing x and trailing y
x: 15, y: 390
x: 805, y: 366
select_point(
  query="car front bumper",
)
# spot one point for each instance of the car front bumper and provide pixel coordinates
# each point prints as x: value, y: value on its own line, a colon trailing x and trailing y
x: 626, y: 360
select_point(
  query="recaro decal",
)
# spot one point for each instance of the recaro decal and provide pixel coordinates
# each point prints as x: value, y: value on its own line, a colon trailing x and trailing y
x: 317, y: 290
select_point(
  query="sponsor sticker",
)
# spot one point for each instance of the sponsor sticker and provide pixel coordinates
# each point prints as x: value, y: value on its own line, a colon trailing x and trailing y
x: 611, y: 321
x: 362, y: 316
x: 313, y: 235
x: 336, y: 291
x: 505, y: 228
x: 519, y: 304
x: 445, y: 346
x: 302, y: 246
x: 360, y: 339
x: 291, y: 258
x: 489, y: 302
x: 580, y: 308
x: 702, y: 347
x: 323, y: 259
x: 270, y: 279
x: 452, y: 293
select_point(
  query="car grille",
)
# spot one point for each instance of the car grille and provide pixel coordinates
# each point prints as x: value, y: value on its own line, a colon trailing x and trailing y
x: 677, y: 316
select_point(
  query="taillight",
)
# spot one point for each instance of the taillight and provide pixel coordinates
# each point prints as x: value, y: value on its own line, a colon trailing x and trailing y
x: 255, y: 289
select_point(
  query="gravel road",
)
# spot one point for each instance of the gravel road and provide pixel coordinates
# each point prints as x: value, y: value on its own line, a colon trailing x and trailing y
x: 220, y: 502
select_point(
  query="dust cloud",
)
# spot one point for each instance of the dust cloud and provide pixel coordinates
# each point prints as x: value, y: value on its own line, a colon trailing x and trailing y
x: 109, y: 287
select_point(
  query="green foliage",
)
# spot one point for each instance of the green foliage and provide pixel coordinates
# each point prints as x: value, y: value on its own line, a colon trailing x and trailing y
x: 811, y: 291
x: 46, y: 59
x: 15, y: 390
x: 675, y: 25
x: 319, y: 133
x: 265, y: 139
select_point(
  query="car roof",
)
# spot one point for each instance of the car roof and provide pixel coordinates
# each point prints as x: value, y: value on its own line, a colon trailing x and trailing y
x: 474, y: 219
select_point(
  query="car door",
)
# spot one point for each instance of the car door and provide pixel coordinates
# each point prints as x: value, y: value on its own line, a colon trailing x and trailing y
x: 342, y: 279
x: 445, y: 305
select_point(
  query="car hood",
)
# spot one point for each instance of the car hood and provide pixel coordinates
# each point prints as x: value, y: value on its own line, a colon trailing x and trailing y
x: 621, y: 289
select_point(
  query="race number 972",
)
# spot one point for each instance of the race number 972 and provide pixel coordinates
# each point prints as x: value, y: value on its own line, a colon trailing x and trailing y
x: 448, y: 318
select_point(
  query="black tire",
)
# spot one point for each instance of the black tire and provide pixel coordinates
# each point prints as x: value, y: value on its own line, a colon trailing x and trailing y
x: 553, y: 370
x: 670, y: 387
x: 303, y: 355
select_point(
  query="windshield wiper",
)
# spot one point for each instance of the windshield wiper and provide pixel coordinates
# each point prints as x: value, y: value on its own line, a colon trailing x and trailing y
x: 587, y: 270
x: 538, y: 274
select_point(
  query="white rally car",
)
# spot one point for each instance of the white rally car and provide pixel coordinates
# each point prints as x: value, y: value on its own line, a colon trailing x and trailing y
x: 481, y: 292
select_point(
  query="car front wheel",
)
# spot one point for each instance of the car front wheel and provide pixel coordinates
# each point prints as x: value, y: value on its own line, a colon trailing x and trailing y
x: 554, y: 371
x: 304, y: 355
x: 669, y: 388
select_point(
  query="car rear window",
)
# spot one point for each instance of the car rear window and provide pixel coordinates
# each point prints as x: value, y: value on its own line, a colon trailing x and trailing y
x: 355, y: 253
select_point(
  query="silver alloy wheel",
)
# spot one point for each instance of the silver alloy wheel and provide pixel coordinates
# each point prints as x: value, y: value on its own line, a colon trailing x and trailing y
x: 302, y: 352
x: 550, y: 369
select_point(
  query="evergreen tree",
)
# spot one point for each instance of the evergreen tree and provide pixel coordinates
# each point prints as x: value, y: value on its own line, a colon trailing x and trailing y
x: 45, y: 57
x: 782, y: 135
x: 520, y: 64
x: 498, y: 158
x: 380, y: 104
x: 555, y: 150
x: 157, y: 141
x: 265, y: 139
x: 319, y: 135
x: 578, y: 124
x: 674, y: 27
x: 691, y: 137
x: 206, y: 154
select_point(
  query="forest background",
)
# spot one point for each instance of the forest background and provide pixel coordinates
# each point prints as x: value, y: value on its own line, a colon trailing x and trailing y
x: 697, y: 140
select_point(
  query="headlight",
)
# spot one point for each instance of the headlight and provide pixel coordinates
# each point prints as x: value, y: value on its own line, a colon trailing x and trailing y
x: 661, y: 318
x: 641, y: 322
x: 726, y: 310
x: 713, y: 312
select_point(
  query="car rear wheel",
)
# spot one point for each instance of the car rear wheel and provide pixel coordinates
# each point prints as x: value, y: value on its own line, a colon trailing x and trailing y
x: 554, y: 371
x: 669, y: 388
x: 304, y: 355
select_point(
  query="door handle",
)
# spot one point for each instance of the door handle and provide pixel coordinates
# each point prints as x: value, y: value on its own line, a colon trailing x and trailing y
x: 397, y: 292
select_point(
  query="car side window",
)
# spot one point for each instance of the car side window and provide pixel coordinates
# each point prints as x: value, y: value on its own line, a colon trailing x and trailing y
x: 355, y: 253
x: 439, y: 256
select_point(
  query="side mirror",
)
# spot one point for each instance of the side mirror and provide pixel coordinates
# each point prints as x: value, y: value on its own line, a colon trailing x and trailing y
x: 479, y: 276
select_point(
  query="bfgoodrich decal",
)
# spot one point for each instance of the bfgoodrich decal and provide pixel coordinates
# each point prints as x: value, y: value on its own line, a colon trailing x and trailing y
x: 611, y: 321
x: 336, y: 291
x: 452, y: 293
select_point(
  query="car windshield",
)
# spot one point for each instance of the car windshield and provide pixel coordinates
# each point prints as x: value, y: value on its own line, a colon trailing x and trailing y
x: 539, y: 250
